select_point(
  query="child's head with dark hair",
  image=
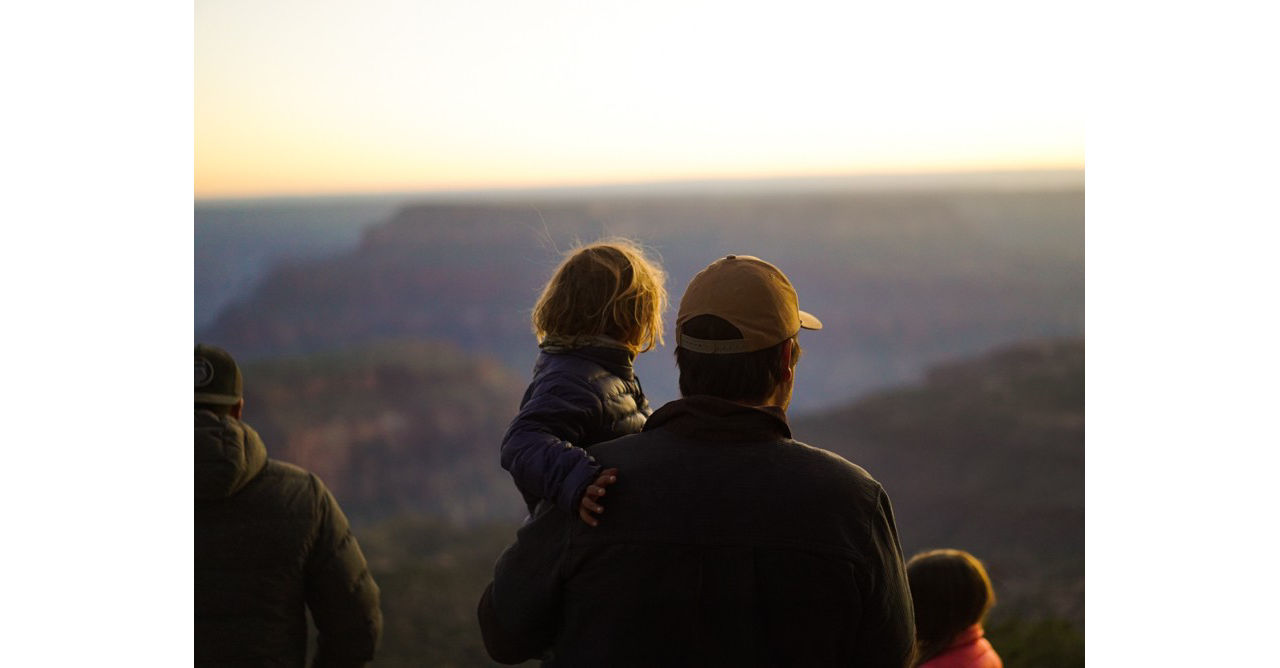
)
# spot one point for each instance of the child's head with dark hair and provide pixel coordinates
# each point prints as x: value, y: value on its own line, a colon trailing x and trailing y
x: 951, y: 592
x: 608, y: 288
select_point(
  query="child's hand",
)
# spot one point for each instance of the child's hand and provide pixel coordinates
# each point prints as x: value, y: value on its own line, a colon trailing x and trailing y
x: 591, y: 497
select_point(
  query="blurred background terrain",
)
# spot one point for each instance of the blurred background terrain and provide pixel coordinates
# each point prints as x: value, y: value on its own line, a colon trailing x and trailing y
x: 385, y: 344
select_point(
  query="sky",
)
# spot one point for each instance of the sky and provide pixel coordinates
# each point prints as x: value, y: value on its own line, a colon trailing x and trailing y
x: 333, y: 96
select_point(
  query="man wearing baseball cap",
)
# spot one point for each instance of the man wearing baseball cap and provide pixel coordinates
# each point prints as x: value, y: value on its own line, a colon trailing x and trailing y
x: 270, y: 543
x: 727, y: 542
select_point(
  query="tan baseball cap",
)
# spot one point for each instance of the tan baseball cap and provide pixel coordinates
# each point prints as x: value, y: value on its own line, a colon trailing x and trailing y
x: 750, y: 294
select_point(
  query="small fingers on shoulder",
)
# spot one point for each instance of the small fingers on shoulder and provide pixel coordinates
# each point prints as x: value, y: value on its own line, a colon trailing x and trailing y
x: 589, y: 504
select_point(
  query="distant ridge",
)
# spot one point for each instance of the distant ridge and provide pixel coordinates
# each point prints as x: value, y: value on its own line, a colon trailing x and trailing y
x: 1004, y: 181
x: 392, y: 427
x: 901, y: 279
x: 999, y: 180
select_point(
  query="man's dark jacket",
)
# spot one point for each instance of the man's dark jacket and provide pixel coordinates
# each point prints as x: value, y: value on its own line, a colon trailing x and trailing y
x: 726, y: 543
x: 270, y: 539
x: 578, y: 397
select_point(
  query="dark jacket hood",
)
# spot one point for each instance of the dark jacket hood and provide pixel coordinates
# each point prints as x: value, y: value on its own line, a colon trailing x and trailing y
x: 229, y: 453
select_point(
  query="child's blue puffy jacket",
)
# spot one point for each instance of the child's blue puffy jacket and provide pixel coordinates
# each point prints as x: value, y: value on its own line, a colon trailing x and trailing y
x: 578, y: 397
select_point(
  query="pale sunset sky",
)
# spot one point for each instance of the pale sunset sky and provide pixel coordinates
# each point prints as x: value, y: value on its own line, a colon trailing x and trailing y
x: 334, y: 96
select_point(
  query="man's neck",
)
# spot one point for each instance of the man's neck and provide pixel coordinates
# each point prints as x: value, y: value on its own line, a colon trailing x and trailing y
x: 780, y: 397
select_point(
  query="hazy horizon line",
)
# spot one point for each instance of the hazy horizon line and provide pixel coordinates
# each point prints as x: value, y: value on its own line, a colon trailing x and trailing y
x: 978, y: 178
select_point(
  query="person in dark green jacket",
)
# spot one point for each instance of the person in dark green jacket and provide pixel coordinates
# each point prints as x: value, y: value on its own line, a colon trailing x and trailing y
x: 270, y: 543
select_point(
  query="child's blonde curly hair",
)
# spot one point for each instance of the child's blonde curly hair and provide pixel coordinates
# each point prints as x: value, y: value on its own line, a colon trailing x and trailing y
x: 607, y: 288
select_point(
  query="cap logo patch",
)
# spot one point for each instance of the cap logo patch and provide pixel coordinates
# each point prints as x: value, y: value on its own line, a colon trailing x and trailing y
x: 204, y: 372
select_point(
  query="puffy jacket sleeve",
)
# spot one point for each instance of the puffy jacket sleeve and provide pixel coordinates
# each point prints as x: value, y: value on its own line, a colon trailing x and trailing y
x: 887, y: 637
x: 539, y: 448
x: 341, y: 593
x: 520, y: 610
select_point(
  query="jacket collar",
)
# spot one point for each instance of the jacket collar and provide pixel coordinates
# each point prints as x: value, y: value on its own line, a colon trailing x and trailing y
x: 616, y: 360
x: 710, y: 418
x: 558, y: 343
x: 967, y: 636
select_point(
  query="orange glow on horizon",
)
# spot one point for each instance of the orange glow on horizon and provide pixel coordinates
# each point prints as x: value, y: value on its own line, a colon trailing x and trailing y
x: 297, y: 183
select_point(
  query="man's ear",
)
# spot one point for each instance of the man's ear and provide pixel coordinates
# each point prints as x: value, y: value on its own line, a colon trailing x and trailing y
x: 788, y: 349
x: 237, y: 409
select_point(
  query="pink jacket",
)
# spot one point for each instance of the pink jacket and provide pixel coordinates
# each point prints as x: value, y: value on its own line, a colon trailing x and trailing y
x: 968, y: 650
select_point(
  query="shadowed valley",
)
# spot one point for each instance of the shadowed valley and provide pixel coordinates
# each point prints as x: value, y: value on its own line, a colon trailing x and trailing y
x: 986, y: 454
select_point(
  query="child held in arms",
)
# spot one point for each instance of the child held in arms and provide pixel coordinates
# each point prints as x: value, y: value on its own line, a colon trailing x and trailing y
x: 951, y: 594
x: 602, y: 307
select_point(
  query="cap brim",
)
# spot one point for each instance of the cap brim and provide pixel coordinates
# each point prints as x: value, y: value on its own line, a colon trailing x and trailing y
x: 809, y: 321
